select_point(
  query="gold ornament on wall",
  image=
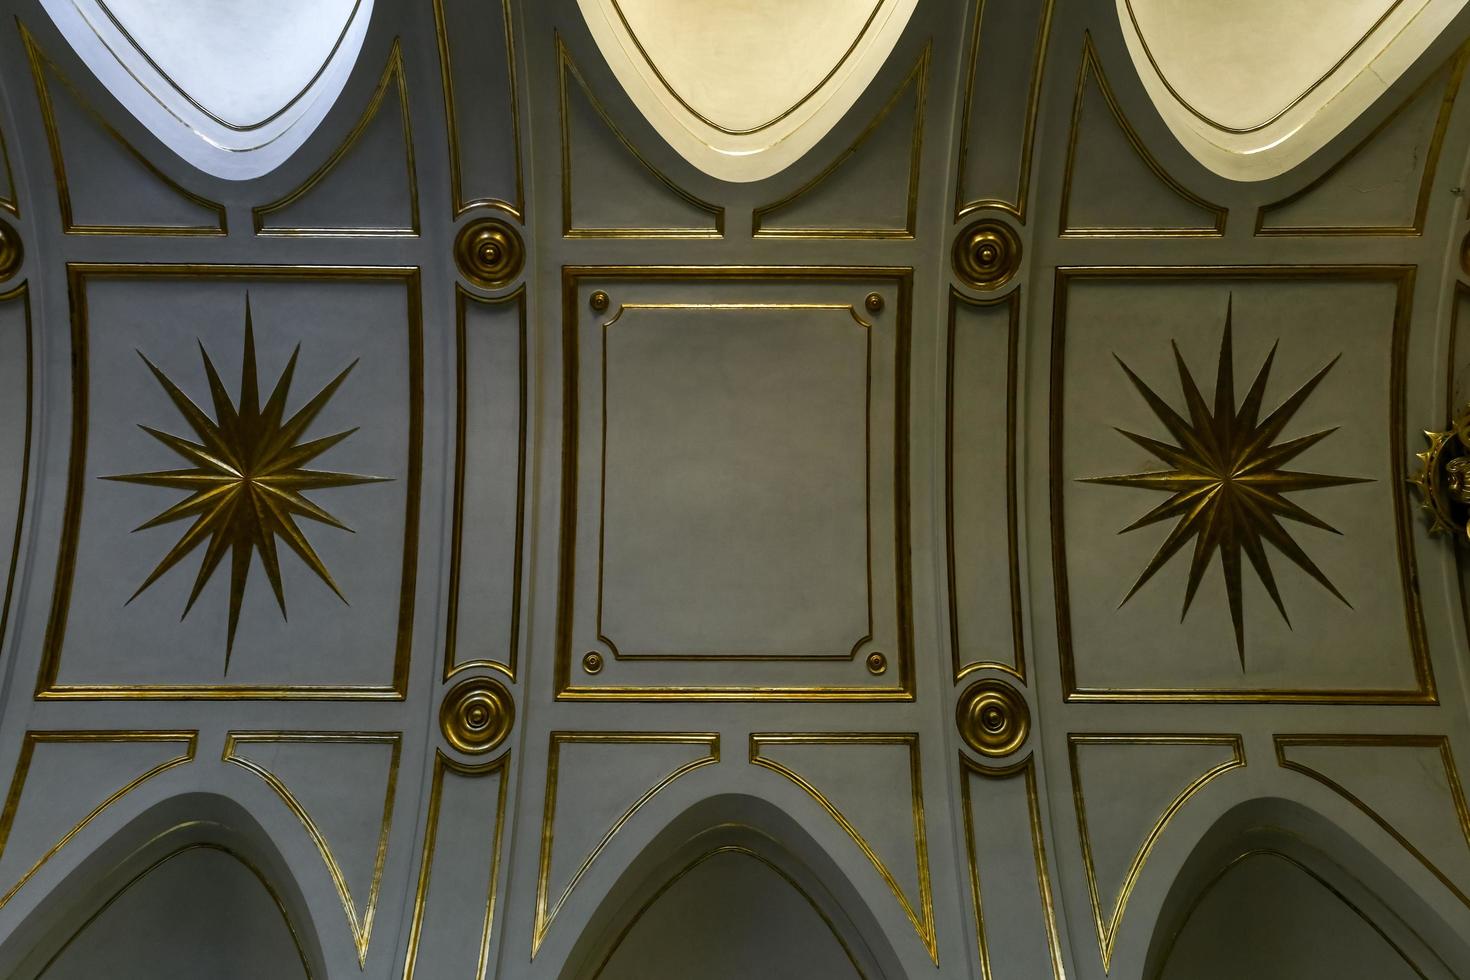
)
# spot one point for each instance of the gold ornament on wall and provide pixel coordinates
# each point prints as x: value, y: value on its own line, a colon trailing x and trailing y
x: 987, y: 254
x: 993, y: 718
x: 247, y: 480
x: 476, y: 715
x: 1444, y: 479
x: 1226, y: 481
x: 11, y: 251
x: 489, y: 252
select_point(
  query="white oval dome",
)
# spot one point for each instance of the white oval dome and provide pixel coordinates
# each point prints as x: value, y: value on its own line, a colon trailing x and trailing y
x: 232, y: 87
x: 1254, y: 87
x: 743, y: 90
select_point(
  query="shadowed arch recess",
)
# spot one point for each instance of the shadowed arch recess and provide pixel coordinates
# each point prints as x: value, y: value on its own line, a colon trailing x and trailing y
x: 731, y: 888
x: 200, y: 910
x: 1269, y: 880
x: 195, y: 857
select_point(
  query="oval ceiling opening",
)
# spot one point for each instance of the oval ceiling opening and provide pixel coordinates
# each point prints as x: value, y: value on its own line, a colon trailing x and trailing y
x: 1255, y: 87
x: 741, y: 91
x: 233, y: 88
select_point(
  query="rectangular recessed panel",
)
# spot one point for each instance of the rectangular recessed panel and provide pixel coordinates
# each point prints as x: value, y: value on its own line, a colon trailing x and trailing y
x: 985, y: 599
x: 735, y: 497
x: 485, y: 566
x: 739, y: 454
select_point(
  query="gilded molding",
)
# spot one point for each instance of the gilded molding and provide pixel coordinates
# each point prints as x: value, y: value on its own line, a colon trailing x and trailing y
x: 961, y: 667
x: 567, y: 68
x: 1107, y: 924
x: 79, y: 274
x: 393, y: 78
x: 11, y: 202
x: 1091, y: 67
x: 1399, y: 276
x: 40, y: 64
x: 516, y: 207
x: 964, y: 203
x: 361, y: 926
x: 1025, y: 768
x: 546, y: 908
x: 1284, y: 743
x: 452, y: 663
x: 476, y: 715
x: 918, y: 76
x: 443, y: 764
x: 188, y: 739
x: 22, y: 293
x: 922, y: 918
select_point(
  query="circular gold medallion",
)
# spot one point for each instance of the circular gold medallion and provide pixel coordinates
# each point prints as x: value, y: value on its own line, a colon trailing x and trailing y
x: 877, y: 663
x: 489, y: 252
x: 11, y: 252
x: 986, y: 254
x: 874, y: 303
x: 592, y: 662
x: 993, y: 718
x: 476, y: 715
x: 599, y: 301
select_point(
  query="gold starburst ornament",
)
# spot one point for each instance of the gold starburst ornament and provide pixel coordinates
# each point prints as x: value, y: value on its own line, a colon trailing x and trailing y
x: 1227, y: 482
x: 246, y: 481
x: 1444, y: 478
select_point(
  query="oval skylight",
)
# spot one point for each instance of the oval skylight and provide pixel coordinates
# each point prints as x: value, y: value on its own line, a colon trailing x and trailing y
x: 743, y: 90
x: 234, y: 88
x: 1254, y: 87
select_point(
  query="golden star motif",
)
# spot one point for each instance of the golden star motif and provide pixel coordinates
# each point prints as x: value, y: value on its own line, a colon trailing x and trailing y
x: 1226, y: 486
x: 1444, y: 477
x: 246, y: 485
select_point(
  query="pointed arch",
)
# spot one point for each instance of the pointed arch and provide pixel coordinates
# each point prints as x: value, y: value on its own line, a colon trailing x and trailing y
x: 180, y: 824
x: 1310, y: 846
x: 735, y: 827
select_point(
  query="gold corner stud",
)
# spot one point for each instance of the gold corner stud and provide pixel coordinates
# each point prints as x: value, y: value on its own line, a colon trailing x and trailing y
x: 993, y: 718
x: 599, y: 301
x: 476, y: 715
x: 874, y: 303
x: 489, y: 252
x: 592, y: 662
x: 1444, y: 477
x: 11, y: 252
x: 877, y: 663
x: 987, y: 254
